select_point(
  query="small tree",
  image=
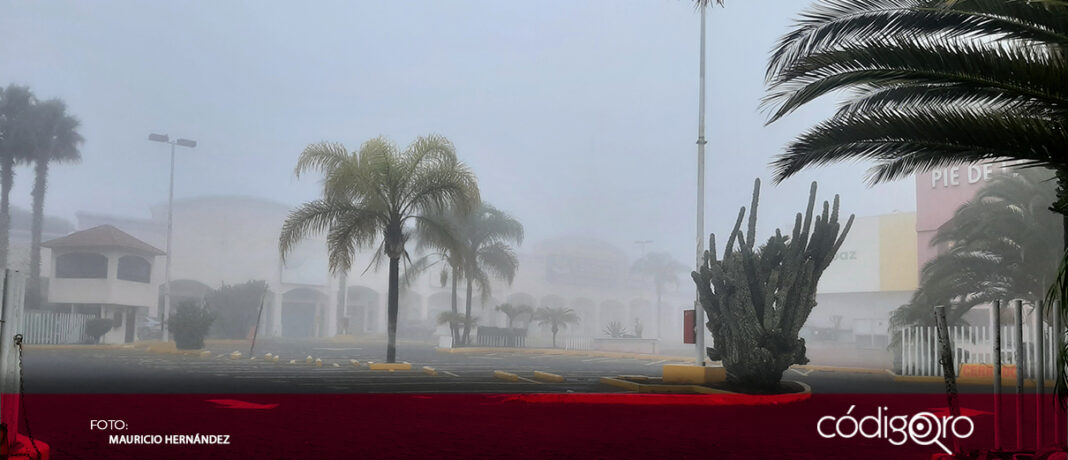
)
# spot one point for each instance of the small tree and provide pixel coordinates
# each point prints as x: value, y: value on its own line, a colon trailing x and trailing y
x: 236, y: 308
x: 189, y: 324
x: 96, y: 328
x: 615, y: 330
x: 556, y: 318
x: 757, y: 299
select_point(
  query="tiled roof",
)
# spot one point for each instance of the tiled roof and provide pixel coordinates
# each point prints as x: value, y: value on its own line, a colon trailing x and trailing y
x: 106, y: 236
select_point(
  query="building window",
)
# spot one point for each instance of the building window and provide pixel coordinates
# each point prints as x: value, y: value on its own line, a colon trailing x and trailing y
x: 82, y: 265
x: 134, y: 268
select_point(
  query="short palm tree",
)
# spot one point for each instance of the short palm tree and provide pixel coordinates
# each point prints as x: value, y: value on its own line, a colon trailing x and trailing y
x: 16, y: 144
x: 55, y: 140
x: 514, y: 312
x: 556, y: 318
x: 378, y: 194
x: 457, y: 320
x: 1003, y: 244
x: 663, y: 269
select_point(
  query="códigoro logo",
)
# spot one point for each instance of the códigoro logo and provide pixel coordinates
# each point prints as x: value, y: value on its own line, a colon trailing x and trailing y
x: 924, y: 428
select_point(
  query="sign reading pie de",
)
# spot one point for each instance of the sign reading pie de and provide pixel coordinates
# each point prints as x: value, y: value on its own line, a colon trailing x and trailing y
x: 940, y: 192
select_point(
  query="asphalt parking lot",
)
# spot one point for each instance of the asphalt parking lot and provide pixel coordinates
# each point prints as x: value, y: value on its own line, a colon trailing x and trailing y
x: 74, y: 370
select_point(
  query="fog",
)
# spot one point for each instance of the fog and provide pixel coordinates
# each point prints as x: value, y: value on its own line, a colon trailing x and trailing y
x: 579, y: 118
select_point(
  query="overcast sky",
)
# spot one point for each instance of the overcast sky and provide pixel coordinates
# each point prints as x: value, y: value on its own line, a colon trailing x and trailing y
x: 579, y: 117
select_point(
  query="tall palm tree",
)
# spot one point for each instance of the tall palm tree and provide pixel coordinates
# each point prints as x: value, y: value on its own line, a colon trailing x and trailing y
x: 378, y: 194
x: 931, y: 83
x: 556, y: 318
x: 663, y: 269
x: 1003, y: 244
x: 16, y: 104
x: 514, y: 312
x: 55, y: 140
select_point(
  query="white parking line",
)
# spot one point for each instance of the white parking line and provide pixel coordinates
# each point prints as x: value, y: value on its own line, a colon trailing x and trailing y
x: 656, y: 362
x: 449, y: 373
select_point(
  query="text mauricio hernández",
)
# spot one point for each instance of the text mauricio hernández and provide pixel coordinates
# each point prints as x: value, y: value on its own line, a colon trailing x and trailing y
x: 176, y: 439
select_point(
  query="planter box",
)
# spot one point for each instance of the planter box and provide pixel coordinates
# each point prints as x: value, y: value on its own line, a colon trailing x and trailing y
x: 626, y: 345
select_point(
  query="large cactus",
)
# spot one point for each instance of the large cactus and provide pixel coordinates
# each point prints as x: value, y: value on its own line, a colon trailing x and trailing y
x: 757, y: 299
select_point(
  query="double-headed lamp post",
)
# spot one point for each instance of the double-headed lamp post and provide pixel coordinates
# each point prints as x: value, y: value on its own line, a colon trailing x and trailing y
x: 170, y: 225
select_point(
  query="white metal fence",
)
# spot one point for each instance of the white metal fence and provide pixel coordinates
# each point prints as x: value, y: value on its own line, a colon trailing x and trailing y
x: 919, y: 349
x: 562, y: 342
x: 45, y: 327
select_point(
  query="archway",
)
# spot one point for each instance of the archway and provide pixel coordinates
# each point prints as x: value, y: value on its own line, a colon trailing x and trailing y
x: 361, y: 309
x: 300, y: 312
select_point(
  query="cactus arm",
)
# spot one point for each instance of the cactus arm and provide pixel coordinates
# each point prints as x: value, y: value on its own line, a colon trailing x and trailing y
x: 730, y: 240
x: 753, y: 213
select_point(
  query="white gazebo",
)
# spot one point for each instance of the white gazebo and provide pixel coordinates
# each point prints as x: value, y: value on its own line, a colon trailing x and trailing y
x: 104, y: 271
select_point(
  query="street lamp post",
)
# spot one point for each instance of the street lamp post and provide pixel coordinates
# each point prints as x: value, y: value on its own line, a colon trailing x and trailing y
x: 699, y: 314
x: 170, y: 226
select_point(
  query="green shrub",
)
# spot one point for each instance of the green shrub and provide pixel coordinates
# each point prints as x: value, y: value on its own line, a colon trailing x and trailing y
x: 96, y: 328
x: 189, y: 324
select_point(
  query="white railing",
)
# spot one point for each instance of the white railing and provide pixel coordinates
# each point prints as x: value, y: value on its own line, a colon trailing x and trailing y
x: 51, y: 328
x: 920, y: 351
x: 562, y: 342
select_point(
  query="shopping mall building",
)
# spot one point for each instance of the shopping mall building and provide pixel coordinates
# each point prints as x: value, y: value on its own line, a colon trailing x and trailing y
x: 234, y: 239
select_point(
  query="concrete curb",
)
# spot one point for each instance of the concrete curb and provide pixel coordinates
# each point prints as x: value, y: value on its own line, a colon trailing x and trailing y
x: 637, y: 387
x: 510, y: 377
x: 844, y: 370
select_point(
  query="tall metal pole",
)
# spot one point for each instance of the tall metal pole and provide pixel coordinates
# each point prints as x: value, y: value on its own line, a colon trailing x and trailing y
x: 167, y: 267
x: 699, y: 314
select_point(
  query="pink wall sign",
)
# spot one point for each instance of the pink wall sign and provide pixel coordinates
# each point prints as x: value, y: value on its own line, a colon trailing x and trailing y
x: 940, y: 192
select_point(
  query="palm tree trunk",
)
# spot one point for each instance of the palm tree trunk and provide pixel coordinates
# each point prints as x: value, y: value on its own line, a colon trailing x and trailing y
x: 555, y: 330
x: 393, y: 296
x: 7, y: 180
x: 455, y: 311
x: 467, y: 315
x: 33, y: 294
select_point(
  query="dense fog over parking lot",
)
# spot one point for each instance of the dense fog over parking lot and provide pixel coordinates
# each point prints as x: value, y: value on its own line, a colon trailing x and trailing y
x: 579, y: 118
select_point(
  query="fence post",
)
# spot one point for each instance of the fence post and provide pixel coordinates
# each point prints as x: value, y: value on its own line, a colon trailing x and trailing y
x: 1040, y: 374
x: 1020, y: 369
x: 1058, y: 345
x: 997, y: 375
x: 14, y: 288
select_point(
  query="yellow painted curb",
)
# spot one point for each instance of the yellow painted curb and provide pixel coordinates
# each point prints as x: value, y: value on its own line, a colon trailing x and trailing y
x: 676, y: 374
x: 235, y: 355
x: 506, y: 376
x: 548, y: 377
x: 557, y: 351
x: 318, y: 362
x: 205, y: 353
x: 390, y: 366
x: 1005, y: 383
x: 430, y: 370
x: 354, y: 362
